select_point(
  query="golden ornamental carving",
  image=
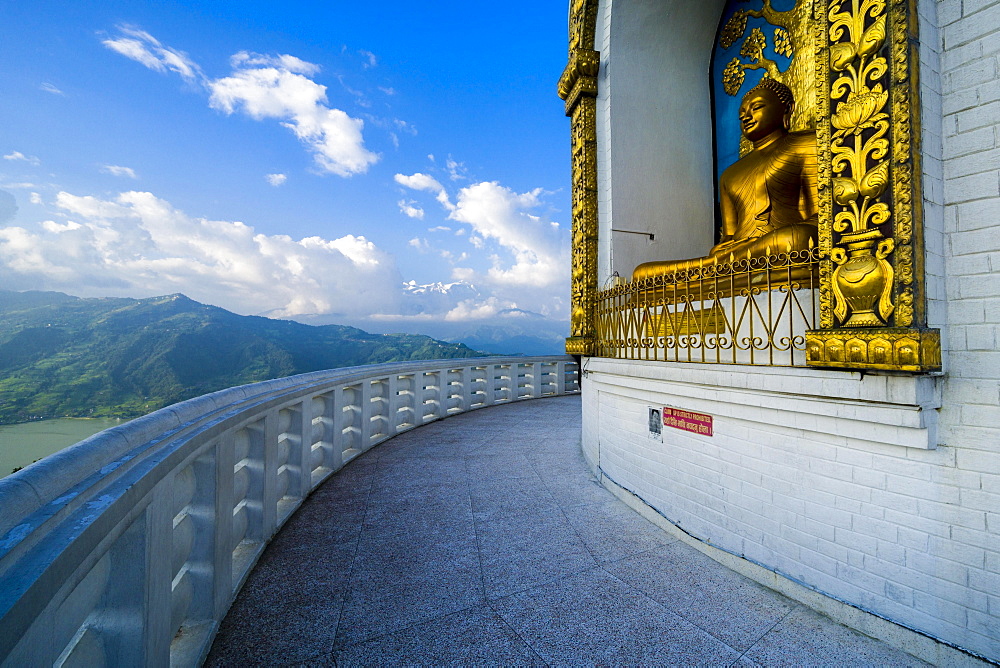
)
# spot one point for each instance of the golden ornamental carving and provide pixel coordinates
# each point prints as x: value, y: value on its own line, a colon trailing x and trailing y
x: 892, y: 348
x: 791, y: 34
x: 862, y: 281
x: 871, y: 296
x: 578, y: 87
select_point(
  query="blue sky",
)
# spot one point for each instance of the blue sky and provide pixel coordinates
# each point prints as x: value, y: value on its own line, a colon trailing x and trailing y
x: 395, y: 165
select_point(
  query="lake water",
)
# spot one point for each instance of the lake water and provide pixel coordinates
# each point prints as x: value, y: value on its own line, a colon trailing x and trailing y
x: 21, y: 444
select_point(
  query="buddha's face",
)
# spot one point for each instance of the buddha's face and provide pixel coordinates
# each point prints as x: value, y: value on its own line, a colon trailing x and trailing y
x: 761, y: 113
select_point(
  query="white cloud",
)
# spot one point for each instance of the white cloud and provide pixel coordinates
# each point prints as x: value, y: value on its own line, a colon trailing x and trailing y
x: 277, y: 87
x: 17, y: 155
x: 35, y: 198
x: 388, y: 90
x: 56, y: 228
x: 404, y: 126
x: 528, y: 256
x: 118, y: 170
x: 137, y: 244
x: 410, y: 208
x: 370, y: 58
x: 424, y: 182
x: 420, y: 244
x: 456, y: 170
x: 472, y: 309
x: 145, y: 49
x: 245, y: 59
x: 439, y: 228
x: 276, y: 179
x: 419, y: 181
x: 49, y: 88
x: 266, y: 87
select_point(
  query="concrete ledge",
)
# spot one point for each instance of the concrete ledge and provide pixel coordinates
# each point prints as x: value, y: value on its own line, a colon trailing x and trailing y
x: 892, y: 409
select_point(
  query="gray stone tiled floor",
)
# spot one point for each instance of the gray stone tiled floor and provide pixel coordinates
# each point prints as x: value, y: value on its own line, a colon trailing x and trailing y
x: 483, y: 539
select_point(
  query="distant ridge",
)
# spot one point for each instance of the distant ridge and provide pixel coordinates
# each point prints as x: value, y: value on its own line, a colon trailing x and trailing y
x: 63, y: 356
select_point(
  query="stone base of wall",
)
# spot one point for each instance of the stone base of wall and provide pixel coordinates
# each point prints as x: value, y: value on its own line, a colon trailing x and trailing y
x: 828, y: 486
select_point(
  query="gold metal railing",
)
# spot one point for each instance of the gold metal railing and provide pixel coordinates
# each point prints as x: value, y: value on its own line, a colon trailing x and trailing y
x: 754, y: 310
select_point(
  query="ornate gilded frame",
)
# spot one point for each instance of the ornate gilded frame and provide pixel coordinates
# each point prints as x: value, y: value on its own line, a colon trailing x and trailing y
x: 578, y: 87
x: 872, y: 282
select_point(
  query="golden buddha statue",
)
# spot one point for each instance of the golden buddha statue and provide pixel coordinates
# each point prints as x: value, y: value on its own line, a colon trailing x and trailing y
x: 767, y: 198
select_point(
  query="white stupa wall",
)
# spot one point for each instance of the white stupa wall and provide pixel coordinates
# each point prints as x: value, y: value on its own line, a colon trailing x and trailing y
x: 881, y: 490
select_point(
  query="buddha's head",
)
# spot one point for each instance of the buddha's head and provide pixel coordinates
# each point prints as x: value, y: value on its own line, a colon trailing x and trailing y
x: 765, y: 108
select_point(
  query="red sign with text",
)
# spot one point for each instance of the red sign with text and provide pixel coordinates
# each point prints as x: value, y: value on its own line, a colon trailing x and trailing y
x: 696, y: 423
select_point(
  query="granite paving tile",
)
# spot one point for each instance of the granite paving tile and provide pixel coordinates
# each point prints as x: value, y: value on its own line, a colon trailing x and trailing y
x: 576, y: 489
x: 304, y: 632
x: 415, y: 501
x: 526, y: 550
x: 287, y: 611
x: 473, y: 637
x: 613, y: 531
x: 807, y: 638
x: 493, y: 498
x: 375, y: 607
x: 491, y: 465
x: 317, y: 526
x: 731, y: 607
x: 592, y: 618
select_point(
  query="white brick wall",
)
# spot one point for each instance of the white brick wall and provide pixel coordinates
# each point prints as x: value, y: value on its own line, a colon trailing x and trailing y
x: 968, y: 557
x: 912, y: 534
x: 832, y: 478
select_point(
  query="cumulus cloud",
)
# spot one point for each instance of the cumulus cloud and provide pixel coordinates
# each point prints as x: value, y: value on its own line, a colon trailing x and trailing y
x: 528, y: 255
x: 145, y: 49
x: 275, y: 87
x: 410, y: 208
x: 472, y: 309
x: 137, y: 244
x: 263, y: 87
x: 276, y: 179
x: 426, y: 183
x: 18, y: 156
x: 118, y: 170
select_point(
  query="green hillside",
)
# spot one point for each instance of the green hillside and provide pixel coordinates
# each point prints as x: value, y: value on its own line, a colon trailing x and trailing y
x: 65, y: 356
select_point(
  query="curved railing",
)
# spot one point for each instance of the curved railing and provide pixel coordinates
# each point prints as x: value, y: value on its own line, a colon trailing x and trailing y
x: 128, y: 548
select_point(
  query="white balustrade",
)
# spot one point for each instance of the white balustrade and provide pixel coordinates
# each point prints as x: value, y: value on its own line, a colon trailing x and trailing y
x: 128, y: 548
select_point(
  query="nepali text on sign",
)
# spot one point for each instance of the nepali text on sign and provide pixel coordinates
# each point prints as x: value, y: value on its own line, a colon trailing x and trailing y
x: 697, y: 423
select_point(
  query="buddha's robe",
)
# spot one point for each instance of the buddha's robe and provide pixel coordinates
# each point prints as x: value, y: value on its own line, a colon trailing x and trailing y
x: 768, y: 199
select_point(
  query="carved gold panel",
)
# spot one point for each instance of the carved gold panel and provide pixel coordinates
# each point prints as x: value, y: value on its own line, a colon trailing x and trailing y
x: 578, y: 87
x: 872, y: 304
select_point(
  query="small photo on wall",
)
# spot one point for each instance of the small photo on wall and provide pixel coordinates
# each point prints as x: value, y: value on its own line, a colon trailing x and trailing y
x: 655, y: 423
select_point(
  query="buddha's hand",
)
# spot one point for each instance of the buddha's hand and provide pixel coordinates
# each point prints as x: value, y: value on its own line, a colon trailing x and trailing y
x: 727, y: 242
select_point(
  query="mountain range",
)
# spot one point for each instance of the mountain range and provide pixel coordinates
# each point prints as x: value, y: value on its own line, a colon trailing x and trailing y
x: 117, y: 357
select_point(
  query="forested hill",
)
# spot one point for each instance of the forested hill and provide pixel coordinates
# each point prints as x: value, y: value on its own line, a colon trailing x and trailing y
x: 66, y: 356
